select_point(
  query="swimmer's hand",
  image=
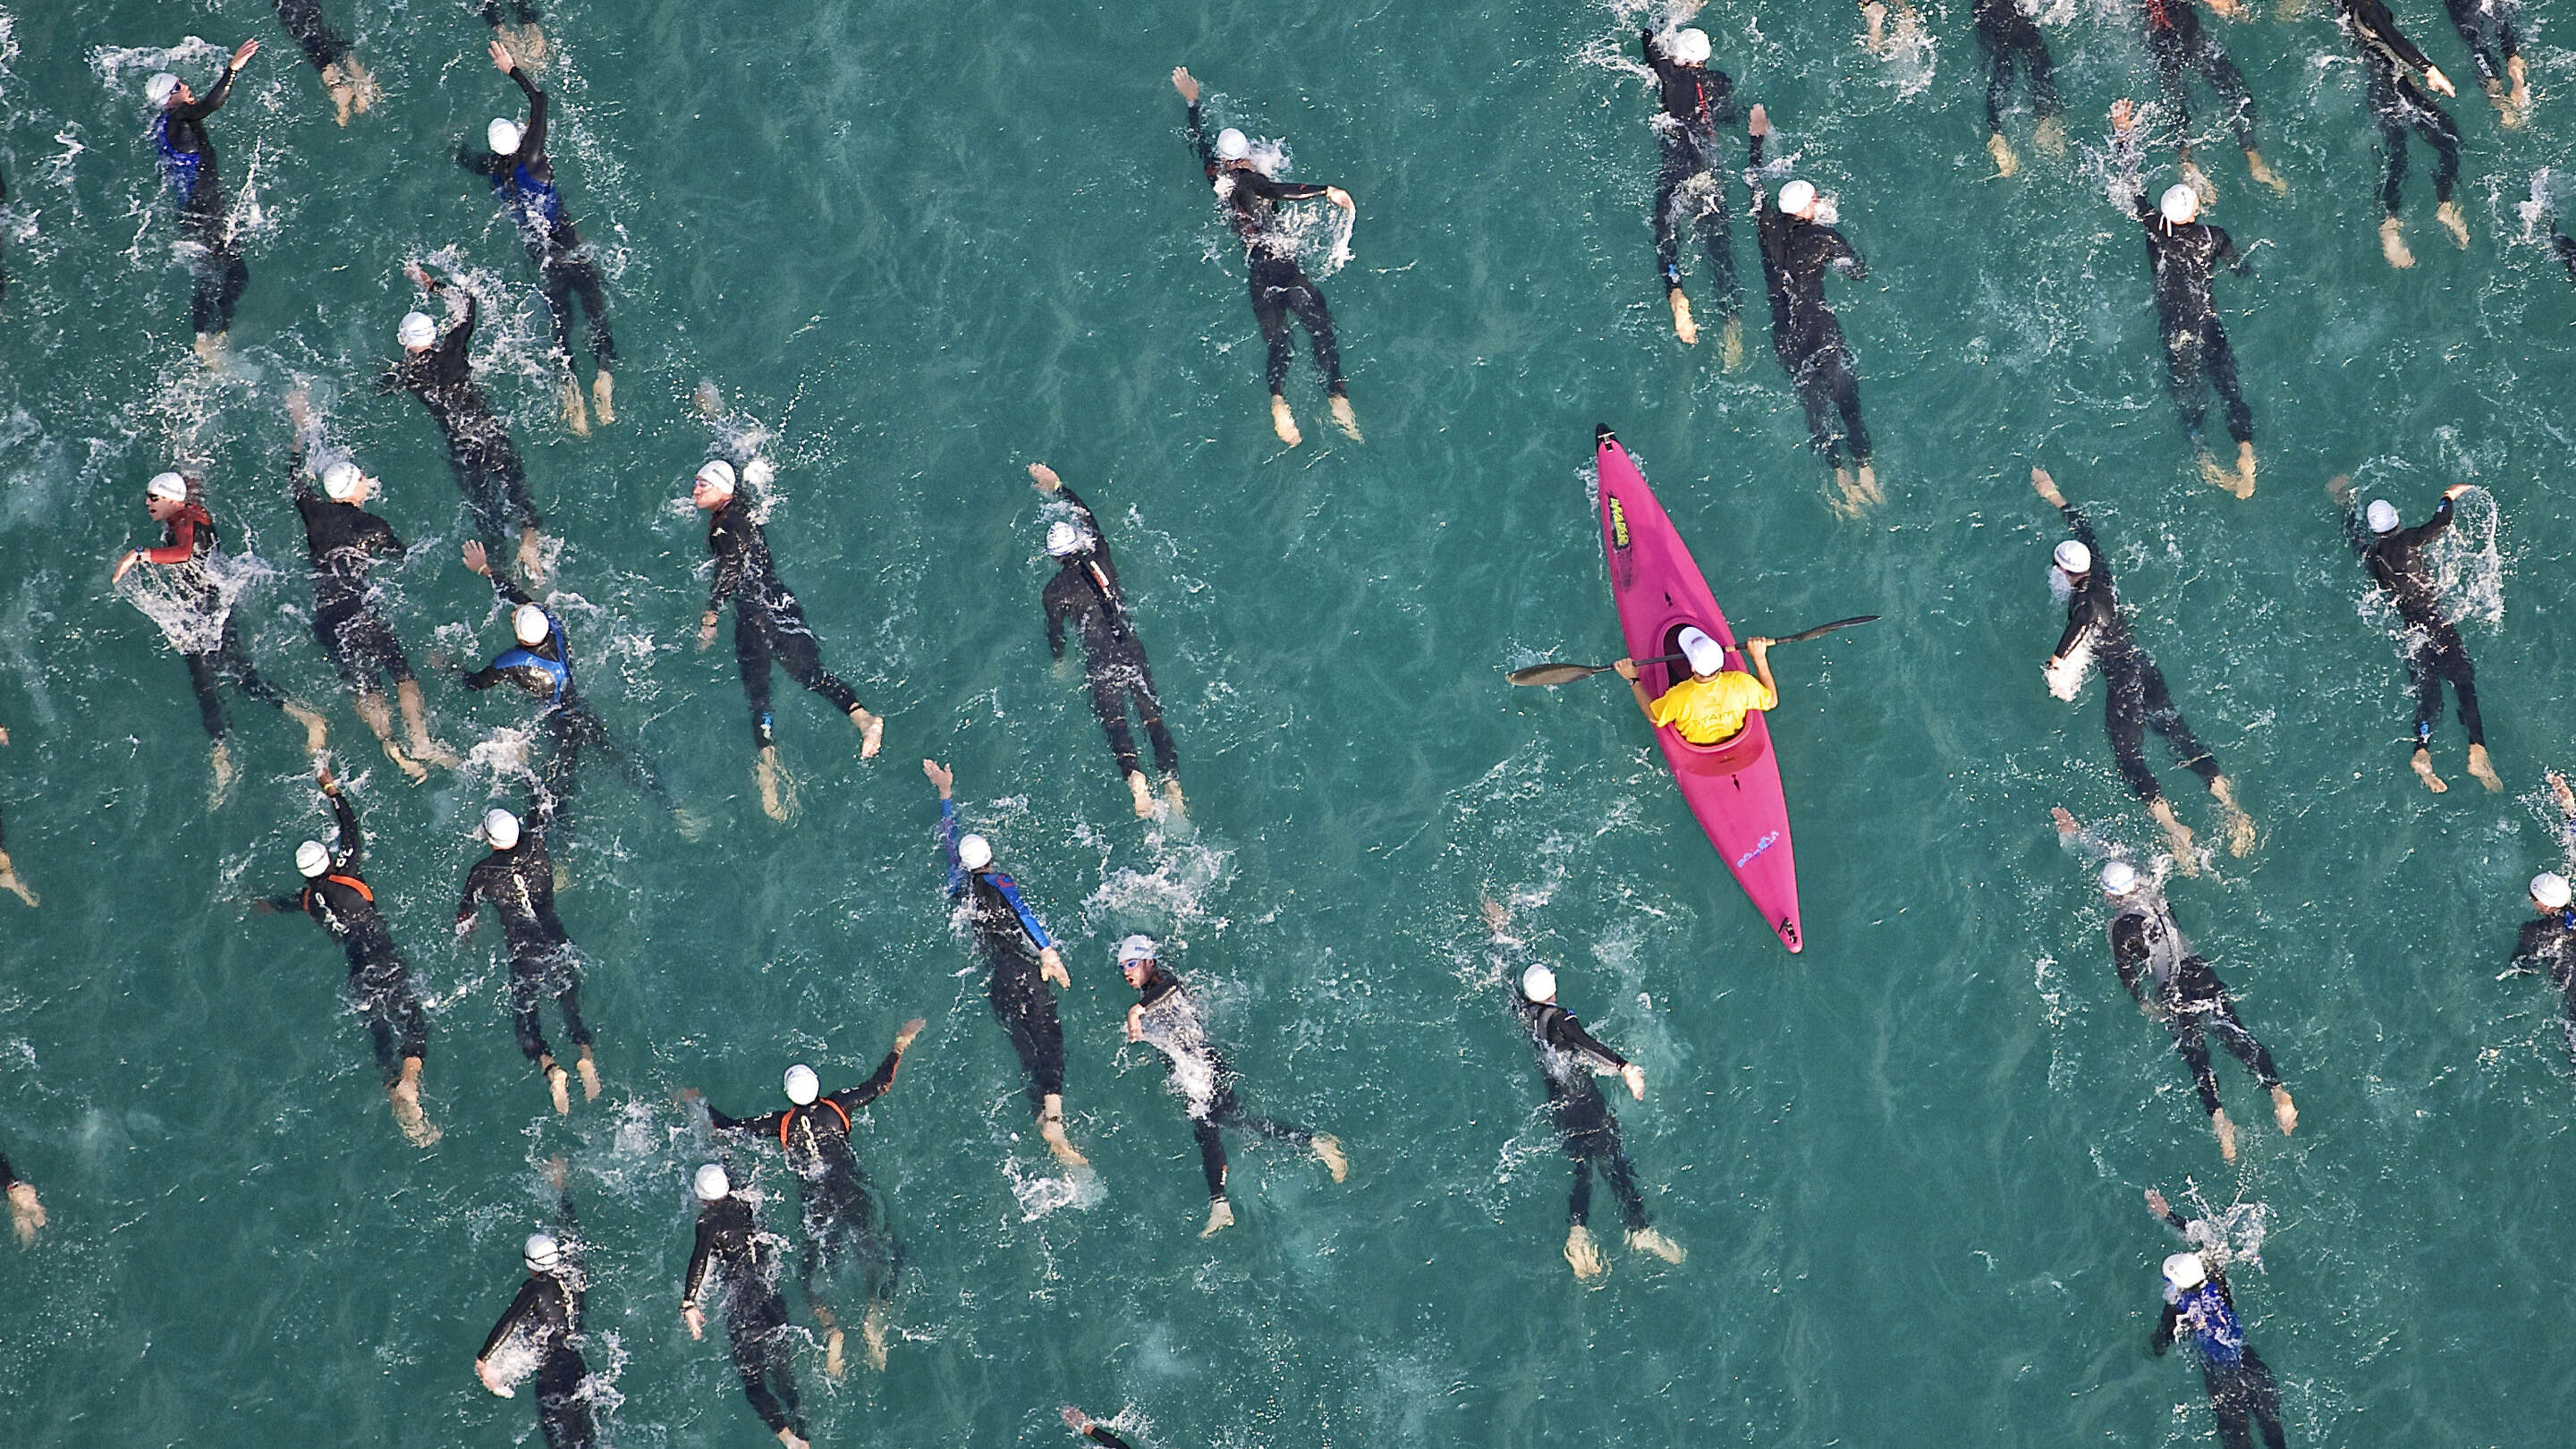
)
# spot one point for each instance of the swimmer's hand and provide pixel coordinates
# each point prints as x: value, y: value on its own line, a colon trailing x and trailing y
x: 707, y: 629
x: 2124, y: 113
x: 1074, y: 1419
x: 2455, y: 490
x: 2156, y: 1202
x: 2557, y: 788
x: 248, y: 48
x: 501, y: 58
x: 911, y: 1029
x: 2046, y: 488
x: 684, y: 1095
x: 1051, y: 966
x: 1136, y: 1023
x: 1338, y: 197
x: 1046, y: 481
x: 491, y: 1380
x: 420, y: 276
x: 2433, y: 77
x: 1185, y: 83
x: 690, y: 1315
x: 1627, y: 670
x: 476, y: 561
x: 940, y: 776
x: 2065, y: 820
x: 124, y: 565
x: 1635, y: 1076
x: 2339, y: 488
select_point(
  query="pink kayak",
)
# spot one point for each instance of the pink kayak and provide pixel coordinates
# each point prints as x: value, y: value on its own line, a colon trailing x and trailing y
x: 1732, y: 787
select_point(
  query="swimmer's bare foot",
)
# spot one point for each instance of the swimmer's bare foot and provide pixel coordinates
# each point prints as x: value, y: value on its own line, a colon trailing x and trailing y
x: 1142, y: 791
x: 9, y: 881
x: 317, y: 735
x: 603, y: 397
x: 2423, y: 763
x: 2285, y: 1111
x: 2198, y: 180
x: 1867, y: 482
x: 789, y: 1438
x: 2051, y: 136
x: 2243, y: 486
x: 777, y: 792
x: 2226, y: 1134
x: 2210, y: 472
x: 1844, y: 502
x: 2448, y: 214
x: 871, y: 731
x: 576, y: 414
x: 26, y: 1213
x: 1683, y: 327
x: 872, y: 1332
x: 1220, y: 1217
x: 2481, y: 769
x: 1649, y: 1240
x: 558, y: 1086
x: 2006, y: 163
x: 210, y: 350
x: 223, y: 775
x: 2392, y: 243
x: 2177, y: 835
x: 2261, y: 170
x: 1172, y: 794
x: 589, y: 1076
x: 1581, y: 1253
x: 2238, y: 825
x: 1328, y: 1150
x: 532, y: 556
x: 2517, y: 103
x: 1283, y: 422
x: 833, y: 1364
x: 405, y: 1094
x: 1051, y: 1128
x: 344, y: 96
x: 1344, y: 418
x: 1730, y: 345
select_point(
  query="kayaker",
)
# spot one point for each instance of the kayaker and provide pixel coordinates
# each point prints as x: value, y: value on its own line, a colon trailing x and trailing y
x: 2434, y: 652
x: 1709, y: 707
x: 2239, y: 1382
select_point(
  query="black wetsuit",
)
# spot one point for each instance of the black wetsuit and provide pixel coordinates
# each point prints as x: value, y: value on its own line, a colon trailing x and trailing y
x: 523, y: 11
x: 2490, y: 30
x: 187, y: 543
x: 768, y: 624
x: 379, y: 980
x: 525, y: 182
x: 843, y: 1222
x: 348, y: 617
x: 1280, y: 288
x: 571, y: 728
x: 188, y: 165
x: 546, y: 1317
x: 479, y: 451
x: 1009, y: 943
x: 1688, y: 190
x: 2176, y: 43
x: 2008, y: 33
x: 2152, y: 957
x: 519, y: 885
x: 2181, y: 261
x: 303, y: 20
x: 2134, y: 697
x: 1804, y: 332
x: 1085, y: 590
x: 2240, y: 1384
x: 1100, y: 1434
x: 1568, y: 1057
x: 2548, y: 945
x: 741, y: 1263
x: 2434, y: 653
x: 2389, y: 62
x: 1171, y: 1025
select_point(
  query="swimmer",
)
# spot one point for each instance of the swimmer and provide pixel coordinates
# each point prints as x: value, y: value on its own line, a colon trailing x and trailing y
x: 1166, y: 1017
x: 1019, y: 958
x: 842, y: 1221
x: 2491, y: 31
x: 1280, y: 288
x: 205, y: 227
x: 518, y: 881
x: 2239, y: 1382
x: 26, y: 1214
x: 1570, y: 1058
x: 2546, y: 945
x: 2182, y: 253
x: 1710, y: 707
x: 2434, y: 653
x: 1798, y: 247
x: 524, y: 179
x: 339, y: 899
x: 2177, y: 44
x: 2134, y: 696
x: 2008, y: 32
x: 350, y: 86
x: 8, y: 871
x: 768, y: 625
x: 1085, y: 590
x: 544, y: 1323
x: 2389, y: 64
x: 348, y: 615
x: 738, y: 1261
x: 2174, y: 984
x: 1688, y: 191
x: 188, y: 545
x: 437, y: 369
x: 1093, y: 1430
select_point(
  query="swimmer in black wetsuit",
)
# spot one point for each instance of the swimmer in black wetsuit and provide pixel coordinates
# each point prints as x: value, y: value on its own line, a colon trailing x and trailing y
x: 1570, y: 1057
x: 204, y: 632
x: 737, y: 1260
x: 2491, y: 31
x: 1165, y: 1017
x: 339, y: 899
x: 540, y: 663
x: 2546, y: 946
x: 2174, y: 984
x: 348, y: 615
x: 1085, y: 591
x: 843, y: 1223
x: 351, y: 87
x: 26, y: 1214
x: 2182, y: 254
x: 2008, y: 32
x: 1020, y: 959
x: 1798, y: 246
x: 438, y: 370
x: 2176, y: 43
x: 2399, y: 105
x: 768, y: 625
x: 518, y: 881
x: 543, y: 1324
x: 1688, y: 190
x: 1280, y: 288
x: 524, y: 178
x: 2134, y: 697
x: 2434, y: 652
x: 205, y: 229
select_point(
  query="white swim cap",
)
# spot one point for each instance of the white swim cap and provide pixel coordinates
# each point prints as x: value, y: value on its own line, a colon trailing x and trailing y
x: 342, y: 480
x: 1538, y: 984
x: 759, y: 472
x: 2179, y: 204
x: 717, y: 474
x: 2074, y: 557
x: 159, y: 88
x: 543, y: 1253
x: 1135, y: 949
x: 1232, y: 145
x: 529, y: 623
x: 1690, y: 46
x: 311, y: 858
x: 503, y: 135
x: 2550, y: 889
x: 417, y: 330
x: 712, y: 1184
x: 1064, y: 540
x: 1798, y: 197
x: 169, y: 487
x: 1707, y: 656
x: 2186, y: 1271
x: 802, y: 1085
x: 2119, y: 878
x: 974, y: 852
x: 500, y: 828
x: 2381, y: 515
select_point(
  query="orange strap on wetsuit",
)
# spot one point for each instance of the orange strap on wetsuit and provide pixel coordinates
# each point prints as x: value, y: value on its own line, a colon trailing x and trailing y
x: 351, y: 881
x: 785, y: 1122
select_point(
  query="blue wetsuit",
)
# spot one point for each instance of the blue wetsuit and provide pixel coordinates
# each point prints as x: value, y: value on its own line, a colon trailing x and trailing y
x: 187, y: 158
x: 2239, y: 1382
x: 571, y: 728
x: 524, y: 181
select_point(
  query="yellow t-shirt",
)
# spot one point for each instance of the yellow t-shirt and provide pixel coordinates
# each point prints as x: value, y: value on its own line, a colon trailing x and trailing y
x: 1711, y: 711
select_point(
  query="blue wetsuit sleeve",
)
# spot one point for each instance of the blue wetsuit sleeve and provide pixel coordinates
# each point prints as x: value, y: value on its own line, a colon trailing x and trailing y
x: 1029, y: 923
x: 947, y: 834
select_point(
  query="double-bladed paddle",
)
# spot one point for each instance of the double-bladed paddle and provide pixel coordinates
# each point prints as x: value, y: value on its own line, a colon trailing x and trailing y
x: 1568, y: 673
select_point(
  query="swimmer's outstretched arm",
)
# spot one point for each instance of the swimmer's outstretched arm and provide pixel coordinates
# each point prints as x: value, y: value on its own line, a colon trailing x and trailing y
x: 2156, y: 1204
x: 853, y: 1098
x: 1091, y: 1429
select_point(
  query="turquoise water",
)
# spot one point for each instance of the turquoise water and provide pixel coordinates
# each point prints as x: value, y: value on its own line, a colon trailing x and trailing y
x: 929, y: 245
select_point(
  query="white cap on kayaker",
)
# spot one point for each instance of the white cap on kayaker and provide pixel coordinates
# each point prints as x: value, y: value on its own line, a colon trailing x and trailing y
x: 2119, y: 878
x: 1538, y: 984
x: 2074, y: 558
x: 2381, y: 515
x: 2185, y: 1271
x: 2549, y: 888
x: 1707, y: 656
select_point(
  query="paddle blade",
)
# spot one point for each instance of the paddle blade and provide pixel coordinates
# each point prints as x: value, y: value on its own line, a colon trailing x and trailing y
x: 1554, y: 673
x: 1821, y: 630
